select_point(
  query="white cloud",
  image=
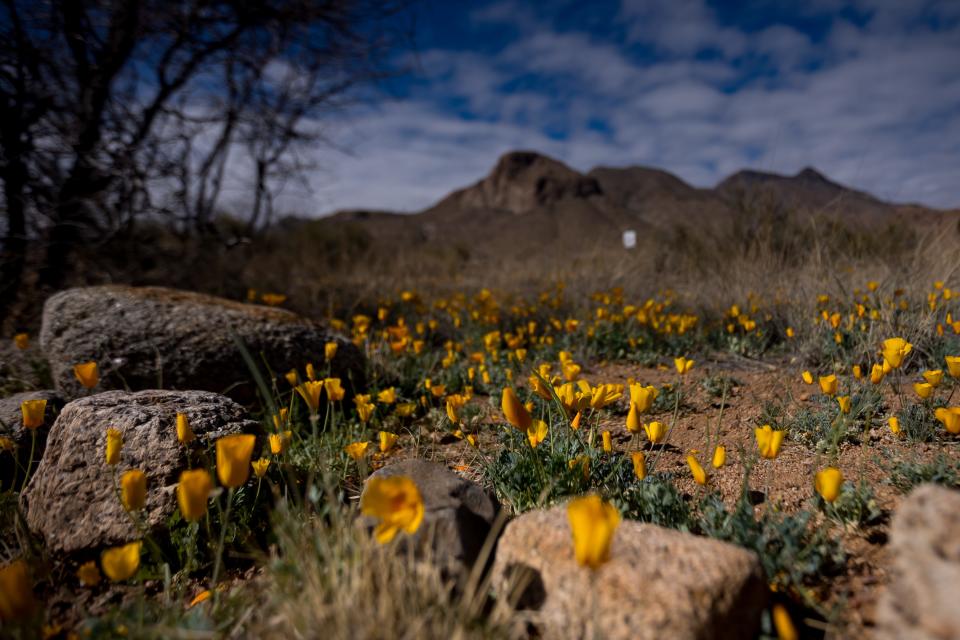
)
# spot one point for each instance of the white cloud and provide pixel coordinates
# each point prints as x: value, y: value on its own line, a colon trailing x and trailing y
x: 874, y: 106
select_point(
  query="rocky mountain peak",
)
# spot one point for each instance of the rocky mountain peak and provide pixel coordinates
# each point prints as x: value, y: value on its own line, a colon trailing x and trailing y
x: 524, y: 180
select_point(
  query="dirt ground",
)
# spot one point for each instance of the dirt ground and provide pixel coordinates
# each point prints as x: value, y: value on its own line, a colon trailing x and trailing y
x: 788, y: 480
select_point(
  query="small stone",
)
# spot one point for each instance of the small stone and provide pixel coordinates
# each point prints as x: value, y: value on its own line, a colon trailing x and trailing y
x: 920, y: 601
x: 658, y: 583
x: 71, y: 500
x: 458, y: 514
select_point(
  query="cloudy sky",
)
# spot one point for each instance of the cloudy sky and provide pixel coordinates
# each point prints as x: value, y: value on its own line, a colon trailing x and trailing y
x: 867, y: 91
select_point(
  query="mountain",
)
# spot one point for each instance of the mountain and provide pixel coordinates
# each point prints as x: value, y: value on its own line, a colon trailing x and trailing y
x: 530, y: 204
x: 808, y: 191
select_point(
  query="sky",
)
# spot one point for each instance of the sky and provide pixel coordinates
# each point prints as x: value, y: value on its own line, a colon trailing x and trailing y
x: 866, y: 91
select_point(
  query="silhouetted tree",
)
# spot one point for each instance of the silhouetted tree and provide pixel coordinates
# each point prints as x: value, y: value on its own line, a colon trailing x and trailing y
x: 113, y: 109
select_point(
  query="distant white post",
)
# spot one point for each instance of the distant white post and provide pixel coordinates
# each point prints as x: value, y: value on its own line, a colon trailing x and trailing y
x: 629, y: 239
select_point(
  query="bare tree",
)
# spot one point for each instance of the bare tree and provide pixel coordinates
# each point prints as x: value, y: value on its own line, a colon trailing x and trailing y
x: 113, y: 109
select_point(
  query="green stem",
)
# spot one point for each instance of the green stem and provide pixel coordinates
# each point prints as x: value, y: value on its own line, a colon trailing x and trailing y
x: 218, y: 560
x: 33, y: 447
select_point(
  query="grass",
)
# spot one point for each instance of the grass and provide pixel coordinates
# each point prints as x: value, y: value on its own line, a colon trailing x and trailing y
x: 751, y: 296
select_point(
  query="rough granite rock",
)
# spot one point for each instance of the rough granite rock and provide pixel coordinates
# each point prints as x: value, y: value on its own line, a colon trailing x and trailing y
x: 11, y: 426
x: 152, y: 337
x: 921, y: 599
x: 658, y: 583
x: 71, y: 499
x: 458, y: 514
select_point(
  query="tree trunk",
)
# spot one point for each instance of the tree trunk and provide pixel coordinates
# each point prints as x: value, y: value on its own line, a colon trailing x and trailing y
x: 13, y: 256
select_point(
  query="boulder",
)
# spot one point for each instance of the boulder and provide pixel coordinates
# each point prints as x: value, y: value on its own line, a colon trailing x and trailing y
x: 71, y: 500
x: 658, y: 583
x: 920, y: 601
x: 152, y: 337
x: 458, y: 515
x: 11, y: 427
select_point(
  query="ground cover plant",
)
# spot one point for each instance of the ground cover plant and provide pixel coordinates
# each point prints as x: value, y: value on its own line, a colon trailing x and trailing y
x: 768, y: 430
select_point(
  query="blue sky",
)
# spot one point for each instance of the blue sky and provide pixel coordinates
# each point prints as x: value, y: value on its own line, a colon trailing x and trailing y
x: 867, y: 91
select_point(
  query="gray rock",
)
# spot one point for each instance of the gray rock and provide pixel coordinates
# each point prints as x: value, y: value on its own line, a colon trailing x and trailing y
x: 658, y: 583
x: 920, y: 601
x: 11, y: 426
x: 71, y: 500
x: 151, y: 337
x: 458, y: 514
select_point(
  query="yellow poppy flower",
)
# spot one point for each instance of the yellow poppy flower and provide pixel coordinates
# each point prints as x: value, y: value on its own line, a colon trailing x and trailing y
x: 719, y: 456
x: 634, y: 425
x: 87, y: 374
x: 933, y: 377
x: 877, y: 373
x: 16, y: 592
x: 21, y: 340
x: 949, y: 417
x: 396, y: 502
x: 593, y: 523
x: 233, y: 459
x: 184, y: 432
x: 120, y: 563
x: 387, y: 396
x: 639, y: 464
x: 279, y: 442
x: 656, y: 431
x: 807, y: 377
x: 583, y: 462
x: 953, y: 365
x: 114, y: 446
x: 514, y: 411
x: 89, y: 574
x: 537, y: 432
x: 203, y: 596
x: 571, y: 370
x: 311, y: 372
x: 783, y: 624
x: 607, y: 442
x: 699, y: 474
x: 387, y: 441
x: 828, y: 483
x: 260, y: 467
x: 193, y: 491
x: 857, y: 371
x: 357, y: 450
x: 768, y: 441
x: 682, y: 364
x: 895, y: 350
x: 310, y: 392
x: 894, y: 423
x: 33, y: 412
x: 292, y: 377
x: 133, y: 489
x: 642, y: 396
x: 405, y: 409
x: 335, y: 392
x: 845, y: 404
x: 575, y: 423
x: 923, y: 389
x: 828, y: 384
x: 273, y: 299
x: 330, y: 350
x: 364, y: 407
